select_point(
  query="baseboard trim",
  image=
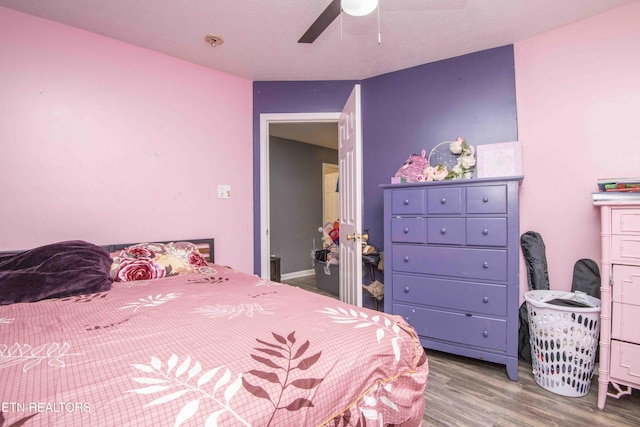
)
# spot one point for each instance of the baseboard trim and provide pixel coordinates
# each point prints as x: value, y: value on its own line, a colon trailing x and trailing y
x: 297, y: 274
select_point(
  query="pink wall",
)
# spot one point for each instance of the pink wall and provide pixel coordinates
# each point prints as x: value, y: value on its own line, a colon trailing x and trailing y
x: 578, y: 99
x: 107, y: 142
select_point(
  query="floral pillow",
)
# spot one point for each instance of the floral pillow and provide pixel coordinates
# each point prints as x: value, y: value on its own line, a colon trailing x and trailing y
x: 147, y: 261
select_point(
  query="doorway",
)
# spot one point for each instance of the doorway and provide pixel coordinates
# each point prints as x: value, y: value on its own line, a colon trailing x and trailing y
x: 350, y: 168
x: 267, y: 122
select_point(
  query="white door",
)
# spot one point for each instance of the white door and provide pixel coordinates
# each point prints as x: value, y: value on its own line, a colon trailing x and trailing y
x: 350, y: 168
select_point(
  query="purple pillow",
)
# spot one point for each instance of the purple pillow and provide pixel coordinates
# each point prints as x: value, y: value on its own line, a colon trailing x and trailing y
x: 57, y: 270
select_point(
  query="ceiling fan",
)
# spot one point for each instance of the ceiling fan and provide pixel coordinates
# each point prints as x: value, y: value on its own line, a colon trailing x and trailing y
x: 361, y: 8
x: 352, y: 7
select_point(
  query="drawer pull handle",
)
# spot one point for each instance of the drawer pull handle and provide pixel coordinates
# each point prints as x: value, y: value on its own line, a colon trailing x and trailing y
x: 443, y: 200
x: 485, y: 199
x: 406, y: 259
x: 485, y: 231
x: 443, y: 231
x: 406, y: 202
x: 485, y: 333
x: 485, y: 264
x: 485, y: 299
x: 406, y: 290
x: 406, y: 230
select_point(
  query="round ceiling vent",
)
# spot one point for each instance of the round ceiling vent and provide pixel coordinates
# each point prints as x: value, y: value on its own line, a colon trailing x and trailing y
x: 214, y: 39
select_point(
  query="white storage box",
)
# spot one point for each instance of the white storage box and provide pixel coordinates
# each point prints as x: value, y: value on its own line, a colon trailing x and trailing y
x: 564, y: 342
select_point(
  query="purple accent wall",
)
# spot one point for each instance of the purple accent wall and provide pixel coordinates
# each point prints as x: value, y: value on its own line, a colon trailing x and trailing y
x: 472, y: 96
x: 403, y: 112
x: 289, y: 97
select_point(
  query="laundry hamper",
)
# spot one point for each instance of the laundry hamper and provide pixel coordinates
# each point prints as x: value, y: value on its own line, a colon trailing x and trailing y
x: 564, y: 342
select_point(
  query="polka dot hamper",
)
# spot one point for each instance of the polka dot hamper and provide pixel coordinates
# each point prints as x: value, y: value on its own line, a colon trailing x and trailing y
x: 564, y: 342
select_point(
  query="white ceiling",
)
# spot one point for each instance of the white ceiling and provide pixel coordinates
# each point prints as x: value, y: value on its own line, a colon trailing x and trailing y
x: 260, y: 36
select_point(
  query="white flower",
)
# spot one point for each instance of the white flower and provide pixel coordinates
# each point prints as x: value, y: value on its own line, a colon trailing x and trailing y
x: 457, y: 170
x: 467, y: 161
x: 470, y: 150
x: 456, y: 146
x: 436, y: 173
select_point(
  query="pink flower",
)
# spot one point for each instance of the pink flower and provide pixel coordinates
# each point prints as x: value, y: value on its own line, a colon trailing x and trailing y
x: 131, y: 269
x: 196, y: 259
x: 138, y: 251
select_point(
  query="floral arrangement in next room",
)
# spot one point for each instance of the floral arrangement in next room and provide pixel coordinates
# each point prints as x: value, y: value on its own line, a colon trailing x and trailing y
x: 457, y: 164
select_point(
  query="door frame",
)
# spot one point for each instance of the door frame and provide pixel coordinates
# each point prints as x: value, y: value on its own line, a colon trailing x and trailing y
x: 265, y: 120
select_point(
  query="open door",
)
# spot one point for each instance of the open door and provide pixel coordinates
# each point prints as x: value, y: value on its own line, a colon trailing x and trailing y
x: 350, y: 169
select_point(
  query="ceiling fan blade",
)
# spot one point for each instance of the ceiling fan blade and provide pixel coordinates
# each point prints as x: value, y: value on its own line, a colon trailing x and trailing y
x: 322, y: 22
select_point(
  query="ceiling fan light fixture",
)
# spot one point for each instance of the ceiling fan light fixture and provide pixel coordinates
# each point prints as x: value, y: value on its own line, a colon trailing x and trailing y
x: 358, y: 7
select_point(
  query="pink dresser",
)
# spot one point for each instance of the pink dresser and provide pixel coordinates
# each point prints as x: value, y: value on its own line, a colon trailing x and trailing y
x: 619, y: 370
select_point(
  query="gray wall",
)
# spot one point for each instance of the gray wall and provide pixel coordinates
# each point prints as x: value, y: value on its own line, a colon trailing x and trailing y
x: 296, y: 200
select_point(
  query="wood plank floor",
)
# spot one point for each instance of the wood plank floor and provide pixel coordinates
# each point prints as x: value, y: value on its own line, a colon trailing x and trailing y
x: 468, y: 392
x: 472, y: 393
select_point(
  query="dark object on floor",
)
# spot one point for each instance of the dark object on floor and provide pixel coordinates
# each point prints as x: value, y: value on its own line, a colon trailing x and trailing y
x: 275, y: 269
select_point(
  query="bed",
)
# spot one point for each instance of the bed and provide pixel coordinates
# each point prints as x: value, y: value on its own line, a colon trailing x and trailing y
x: 192, y: 343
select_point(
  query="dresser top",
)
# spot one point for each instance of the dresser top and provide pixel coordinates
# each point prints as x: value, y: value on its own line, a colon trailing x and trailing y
x: 616, y: 203
x: 453, y: 182
x: 616, y: 198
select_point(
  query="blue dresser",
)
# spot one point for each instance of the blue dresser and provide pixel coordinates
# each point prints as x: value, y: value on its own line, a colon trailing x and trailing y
x: 452, y: 265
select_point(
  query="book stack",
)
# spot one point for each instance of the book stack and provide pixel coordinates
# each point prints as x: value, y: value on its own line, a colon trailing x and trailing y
x: 618, y: 189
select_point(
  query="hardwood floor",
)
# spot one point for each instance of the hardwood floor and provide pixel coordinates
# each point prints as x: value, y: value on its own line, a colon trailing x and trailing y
x: 468, y: 392
x: 473, y: 393
x: 308, y: 283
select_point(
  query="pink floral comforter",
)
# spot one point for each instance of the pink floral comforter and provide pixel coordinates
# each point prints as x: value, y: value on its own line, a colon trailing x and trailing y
x: 222, y: 349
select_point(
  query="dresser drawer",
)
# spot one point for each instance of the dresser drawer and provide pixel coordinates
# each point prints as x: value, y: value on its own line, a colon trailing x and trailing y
x: 625, y: 362
x: 444, y: 200
x: 445, y: 231
x: 467, y: 297
x: 487, y: 231
x: 626, y: 284
x: 486, y: 264
x: 409, y: 201
x: 410, y: 230
x: 625, y: 249
x: 487, y: 199
x: 625, y: 221
x: 458, y: 328
x: 624, y: 322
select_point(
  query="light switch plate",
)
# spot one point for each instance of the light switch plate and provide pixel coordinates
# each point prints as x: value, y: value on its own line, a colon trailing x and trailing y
x: 224, y: 191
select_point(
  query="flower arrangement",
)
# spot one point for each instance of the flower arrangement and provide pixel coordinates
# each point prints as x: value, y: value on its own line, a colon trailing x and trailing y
x: 465, y: 162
